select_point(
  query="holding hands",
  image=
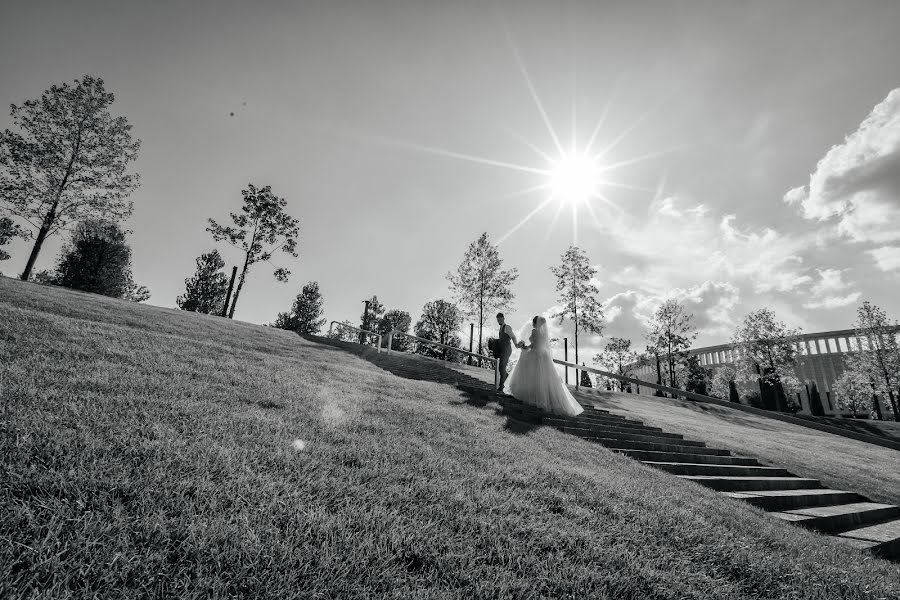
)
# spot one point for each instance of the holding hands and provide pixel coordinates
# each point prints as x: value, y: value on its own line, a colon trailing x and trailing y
x: 521, y: 345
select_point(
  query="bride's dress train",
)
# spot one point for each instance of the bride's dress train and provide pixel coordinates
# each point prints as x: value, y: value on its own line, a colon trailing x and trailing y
x: 534, y: 379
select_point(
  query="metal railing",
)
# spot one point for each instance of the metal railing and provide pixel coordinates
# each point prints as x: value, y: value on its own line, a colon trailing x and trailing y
x: 489, y: 359
x: 638, y: 382
x: 358, y: 330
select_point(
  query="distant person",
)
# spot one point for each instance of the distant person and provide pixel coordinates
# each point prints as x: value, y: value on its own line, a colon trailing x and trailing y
x: 503, y: 349
x: 535, y: 381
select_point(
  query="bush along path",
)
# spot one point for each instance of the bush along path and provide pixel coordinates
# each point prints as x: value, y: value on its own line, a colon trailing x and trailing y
x: 801, y: 501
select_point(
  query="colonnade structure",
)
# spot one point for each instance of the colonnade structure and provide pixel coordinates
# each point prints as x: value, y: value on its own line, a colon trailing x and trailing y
x: 820, y: 359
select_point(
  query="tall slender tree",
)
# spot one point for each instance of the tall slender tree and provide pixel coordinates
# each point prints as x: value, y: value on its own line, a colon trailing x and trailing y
x: 480, y: 284
x: 262, y: 229
x: 879, y: 357
x: 671, y: 332
x: 306, y: 313
x: 574, y: 282
x: 205, y: 291
x: 68, y: 162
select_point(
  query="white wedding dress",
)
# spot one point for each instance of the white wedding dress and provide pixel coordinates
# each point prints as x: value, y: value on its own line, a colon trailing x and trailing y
x: 534, y: 379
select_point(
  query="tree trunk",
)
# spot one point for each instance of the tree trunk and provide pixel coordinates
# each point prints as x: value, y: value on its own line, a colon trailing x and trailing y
x: 41, y: 236
x: 659, y: 380
x: 877, y: 406
x: 240, y: 284
x: 894, y: 405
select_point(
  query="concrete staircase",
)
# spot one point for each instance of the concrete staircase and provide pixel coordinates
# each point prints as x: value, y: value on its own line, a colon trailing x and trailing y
x: 797, y: 500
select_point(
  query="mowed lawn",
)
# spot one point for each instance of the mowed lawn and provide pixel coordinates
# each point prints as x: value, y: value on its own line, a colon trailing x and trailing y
x: 147, y: 452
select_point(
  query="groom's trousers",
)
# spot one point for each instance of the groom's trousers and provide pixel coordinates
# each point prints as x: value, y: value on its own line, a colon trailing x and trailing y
x: 504, y: 362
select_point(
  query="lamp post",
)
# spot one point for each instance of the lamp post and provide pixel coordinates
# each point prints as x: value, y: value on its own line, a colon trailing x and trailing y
x: 365, y: 323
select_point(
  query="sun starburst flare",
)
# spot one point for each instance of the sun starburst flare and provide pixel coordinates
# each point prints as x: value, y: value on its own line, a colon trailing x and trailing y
x: 575, y: 178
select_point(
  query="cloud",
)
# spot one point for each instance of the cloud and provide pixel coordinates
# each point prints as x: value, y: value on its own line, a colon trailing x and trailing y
x: 830, y: 280
x: 681, y: 242
x: 833, y: 301
x: 887, y: 258
x: 713, y: 304
x: 857, y: 183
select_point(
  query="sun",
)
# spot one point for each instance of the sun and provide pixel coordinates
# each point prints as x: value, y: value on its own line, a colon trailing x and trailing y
x: 577, y: 177
x: 574, y: 178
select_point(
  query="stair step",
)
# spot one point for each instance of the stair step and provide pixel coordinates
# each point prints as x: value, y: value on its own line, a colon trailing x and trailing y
x: 601, y: 421
x: 619, y: 444
x: 679, y: 468
x: 579, y: 428
x: 882, y: 539
x: 793, y: 499
x: 651, y: 437
x: 739, y: 483
x: 708, y: 459
x: 839, y: 517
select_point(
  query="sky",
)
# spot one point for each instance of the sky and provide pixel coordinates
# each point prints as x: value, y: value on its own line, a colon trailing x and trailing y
x: 750, y: 152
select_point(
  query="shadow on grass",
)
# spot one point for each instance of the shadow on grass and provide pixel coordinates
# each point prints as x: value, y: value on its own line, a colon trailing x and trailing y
x: 731, y: 416
x: 887, y: 430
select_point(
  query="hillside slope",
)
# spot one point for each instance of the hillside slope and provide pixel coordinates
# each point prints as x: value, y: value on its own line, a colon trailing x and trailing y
x: 148, y: 451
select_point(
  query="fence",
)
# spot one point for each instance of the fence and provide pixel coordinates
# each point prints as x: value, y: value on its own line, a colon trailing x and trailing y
x: 356, y: 329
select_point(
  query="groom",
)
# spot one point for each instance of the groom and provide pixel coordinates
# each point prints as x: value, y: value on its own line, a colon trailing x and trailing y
x: 505, y: 342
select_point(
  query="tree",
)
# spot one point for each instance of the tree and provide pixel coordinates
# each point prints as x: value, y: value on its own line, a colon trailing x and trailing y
x: 369, y: 318
x: 694, y: 377
x: 652, y: 352
x: 815, y: 400
x: 395, y: 320
x: 879, y: 355
x: 859, y: 380
x: 765, y: 349
x: 480, y: 284
x: 852, y: 390
x: 585, y: 379
x: 306, y: 313
x: 671, y: 333
x: 722, y: 377
x: 97, y: 260
x: 8, y: 231
x: 343, y: 334
x: 440, y: 322
x: 135, y: 292
x: 618, y: 357
x: 205, y: 291
x: 574, y: 282
x: 69, y: 163
x: 263, y: 229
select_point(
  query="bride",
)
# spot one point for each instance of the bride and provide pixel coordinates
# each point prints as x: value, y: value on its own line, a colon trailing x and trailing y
x: 534, y: 379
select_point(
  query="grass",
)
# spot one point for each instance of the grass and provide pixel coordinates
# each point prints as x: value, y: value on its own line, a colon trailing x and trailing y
x: 839, y: 462
x: 147, y: 452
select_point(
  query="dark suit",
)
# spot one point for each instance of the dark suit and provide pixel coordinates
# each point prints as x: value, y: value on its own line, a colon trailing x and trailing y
x: 504, y: 351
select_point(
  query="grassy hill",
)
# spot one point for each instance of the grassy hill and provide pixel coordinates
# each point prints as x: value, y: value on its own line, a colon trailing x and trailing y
x: 148, y: 451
